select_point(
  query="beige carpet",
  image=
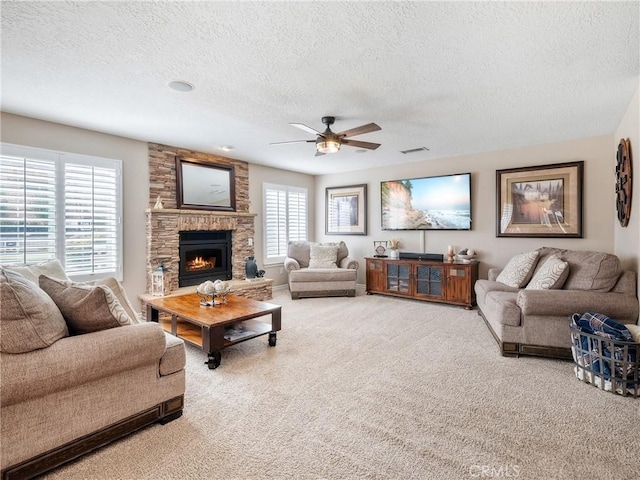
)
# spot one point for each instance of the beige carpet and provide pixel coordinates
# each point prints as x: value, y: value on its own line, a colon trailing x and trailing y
x: 380, y: 388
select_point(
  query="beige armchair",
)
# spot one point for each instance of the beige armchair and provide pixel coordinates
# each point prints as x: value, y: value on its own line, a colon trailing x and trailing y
x: 320, y: 270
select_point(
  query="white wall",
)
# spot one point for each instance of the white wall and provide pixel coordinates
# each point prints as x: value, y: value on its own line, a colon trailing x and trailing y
x: 627, y: 240
x: 598, y: 211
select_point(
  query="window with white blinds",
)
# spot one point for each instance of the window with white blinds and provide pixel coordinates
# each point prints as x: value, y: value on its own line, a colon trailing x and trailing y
x: 61, y: 205
x: 285, y: 219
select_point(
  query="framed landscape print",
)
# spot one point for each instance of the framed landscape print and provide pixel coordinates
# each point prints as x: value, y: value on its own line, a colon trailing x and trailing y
x: 346, y: 210
x: 205, y: 186
x: 540, y: 201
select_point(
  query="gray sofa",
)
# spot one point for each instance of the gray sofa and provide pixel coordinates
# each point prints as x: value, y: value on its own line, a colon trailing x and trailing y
x: 335, y: 278
x: 65, y: 394
x: 536, y: 322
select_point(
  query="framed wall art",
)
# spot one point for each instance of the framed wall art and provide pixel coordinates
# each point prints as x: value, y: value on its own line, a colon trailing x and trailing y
x: 346, y: 210
x: 205, y: 186
x: 540, y: 201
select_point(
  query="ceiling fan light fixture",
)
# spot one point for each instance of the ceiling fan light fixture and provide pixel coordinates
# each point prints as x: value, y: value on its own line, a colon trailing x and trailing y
x: 327, y: 145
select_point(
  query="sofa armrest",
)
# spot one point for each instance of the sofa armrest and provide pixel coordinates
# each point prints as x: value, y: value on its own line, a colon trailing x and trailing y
x: 291, y: 264
x: 80, y: 359
x: 623, y: 308
x: 350, y: 263
x: 493, y: 273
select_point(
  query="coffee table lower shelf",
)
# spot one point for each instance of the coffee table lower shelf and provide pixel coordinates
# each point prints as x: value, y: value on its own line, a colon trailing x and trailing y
x: 234, y: 333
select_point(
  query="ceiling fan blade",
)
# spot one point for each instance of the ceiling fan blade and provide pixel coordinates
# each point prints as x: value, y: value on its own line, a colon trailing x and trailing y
x: 293, y: 141
x: 359, y: 144
x: 352, y: 132
x: 302, y: 126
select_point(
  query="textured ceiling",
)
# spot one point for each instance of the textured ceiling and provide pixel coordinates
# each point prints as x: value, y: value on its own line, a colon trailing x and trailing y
x: 451, y: 76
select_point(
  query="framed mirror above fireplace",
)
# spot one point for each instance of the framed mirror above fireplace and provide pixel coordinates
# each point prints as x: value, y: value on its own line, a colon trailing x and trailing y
x: 205, y: 186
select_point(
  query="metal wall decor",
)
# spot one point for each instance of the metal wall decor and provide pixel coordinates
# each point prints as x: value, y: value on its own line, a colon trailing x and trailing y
x: 624, y: 182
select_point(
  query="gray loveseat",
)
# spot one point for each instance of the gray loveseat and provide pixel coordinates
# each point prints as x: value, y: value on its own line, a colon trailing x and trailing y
x: 536, y: 322
x: 336, y: 277
x: 65, y: 394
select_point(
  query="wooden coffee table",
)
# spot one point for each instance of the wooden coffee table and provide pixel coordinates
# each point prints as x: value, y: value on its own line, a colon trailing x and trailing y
x: 213, y: 328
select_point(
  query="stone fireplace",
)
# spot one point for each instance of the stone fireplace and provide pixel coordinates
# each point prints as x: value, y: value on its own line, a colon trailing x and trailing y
x: 166, y: 225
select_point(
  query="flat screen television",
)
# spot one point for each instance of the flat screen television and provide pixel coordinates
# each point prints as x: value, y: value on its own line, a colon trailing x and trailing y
x: 428, y: 203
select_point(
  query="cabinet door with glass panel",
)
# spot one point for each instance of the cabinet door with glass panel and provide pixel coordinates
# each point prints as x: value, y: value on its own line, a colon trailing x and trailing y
x: 399, y: 277
x: 429, y: 281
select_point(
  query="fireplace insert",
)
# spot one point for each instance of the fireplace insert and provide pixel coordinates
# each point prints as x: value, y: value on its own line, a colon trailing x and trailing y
x: 204, y: 255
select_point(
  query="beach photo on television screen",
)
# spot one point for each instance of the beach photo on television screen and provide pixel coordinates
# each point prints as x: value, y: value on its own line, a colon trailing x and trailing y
x: 428, y: 203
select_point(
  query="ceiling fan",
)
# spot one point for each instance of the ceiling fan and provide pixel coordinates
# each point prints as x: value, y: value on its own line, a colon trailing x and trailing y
x: 330, y: 142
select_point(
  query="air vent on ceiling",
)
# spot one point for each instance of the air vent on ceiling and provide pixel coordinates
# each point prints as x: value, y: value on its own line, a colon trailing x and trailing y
x: 414, y: 150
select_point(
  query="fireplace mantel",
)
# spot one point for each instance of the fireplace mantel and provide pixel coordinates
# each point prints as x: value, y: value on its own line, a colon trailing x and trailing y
x: 184, y: 212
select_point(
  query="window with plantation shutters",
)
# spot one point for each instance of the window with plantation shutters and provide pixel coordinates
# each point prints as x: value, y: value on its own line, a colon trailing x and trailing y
x: 60, y: 205
x: 285, y: 219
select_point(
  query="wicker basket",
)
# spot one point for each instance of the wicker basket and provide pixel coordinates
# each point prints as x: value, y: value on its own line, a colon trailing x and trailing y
x: 610, y: 365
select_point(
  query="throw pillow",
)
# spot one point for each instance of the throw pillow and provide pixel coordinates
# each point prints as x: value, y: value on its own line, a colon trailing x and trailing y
x: 50, y: 268
x: 118, y: 290
x: 519, y: 269
x: 551, y: 275
x: 85, y: 308
x: 323, y: 256
x: 30, y: 320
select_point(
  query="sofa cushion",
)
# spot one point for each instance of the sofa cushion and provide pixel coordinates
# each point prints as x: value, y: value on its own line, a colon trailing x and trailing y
x: 519, y: 269
x: 323, y: 256
x: 483, y: 287
x: 174, y: 358
x: 551, y: 275
x: 85, y: 308
x: 30, y: 320
x: 300, y: 251
x: 504, y: 307
x: 322, y: 275
x: 50, y: 268
x: 594, y: 271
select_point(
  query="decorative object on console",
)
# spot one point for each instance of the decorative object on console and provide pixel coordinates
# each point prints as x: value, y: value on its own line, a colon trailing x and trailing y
x: 346, y: 210
x: 394, y: 246
x: 624, y: 182
x: 450, y: 252
x: 380, y: 247
x: 466, y: 255
x: 158, y: 285
x: 205, y: 186
x: 540, y: 201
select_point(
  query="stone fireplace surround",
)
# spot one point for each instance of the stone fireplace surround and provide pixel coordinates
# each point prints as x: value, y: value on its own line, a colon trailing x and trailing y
x: 163, y: 225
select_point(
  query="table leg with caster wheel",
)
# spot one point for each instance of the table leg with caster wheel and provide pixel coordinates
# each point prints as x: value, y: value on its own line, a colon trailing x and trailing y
x: 272, y: 339
x: 214, y: 360
x: 212, y: 343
